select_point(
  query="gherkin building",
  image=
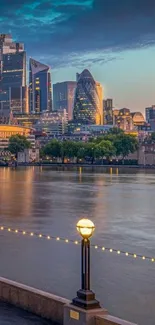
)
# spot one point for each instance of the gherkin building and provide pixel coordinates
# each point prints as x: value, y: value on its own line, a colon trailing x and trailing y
x: 87, y: 102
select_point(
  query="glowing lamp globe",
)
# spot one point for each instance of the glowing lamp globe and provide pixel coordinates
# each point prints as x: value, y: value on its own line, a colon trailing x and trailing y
x: 85, y: 227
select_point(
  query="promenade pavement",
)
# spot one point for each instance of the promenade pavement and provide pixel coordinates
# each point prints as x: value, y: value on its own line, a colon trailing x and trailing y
x: 10, y: 315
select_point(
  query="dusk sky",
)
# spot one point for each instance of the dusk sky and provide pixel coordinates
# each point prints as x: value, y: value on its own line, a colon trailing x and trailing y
x: 114, y: 39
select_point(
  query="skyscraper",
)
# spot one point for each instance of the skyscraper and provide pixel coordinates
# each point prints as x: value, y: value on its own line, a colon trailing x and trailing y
x: 108, y: 111
x: 40, y: 91
x: 12, y: 76
x: 87, y: 104
x: 8, y: 46
x: 14, y: 70
x: 63, y: 96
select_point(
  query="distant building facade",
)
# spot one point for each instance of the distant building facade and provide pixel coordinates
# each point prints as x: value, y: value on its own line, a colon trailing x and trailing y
x: 40, y: 91
x: 87, y: 103
x: 150, y: 116
x: 108, y: 111
x: 63, y: 97
x: 28, y: 156
x: 55, y: 123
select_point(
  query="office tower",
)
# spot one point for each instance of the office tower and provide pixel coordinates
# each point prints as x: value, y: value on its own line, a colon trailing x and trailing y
x: 40, y: 91
x: 12, y: 76
x: 13, y: 84
x: 14, y: 70
x: 108, y: 111
x: 87, y: 100
x: 7, y: 46
x: 63, y: 97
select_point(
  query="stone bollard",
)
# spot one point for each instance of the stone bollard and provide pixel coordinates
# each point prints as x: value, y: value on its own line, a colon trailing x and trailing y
x: 77, y: 316
x: 74, y: 315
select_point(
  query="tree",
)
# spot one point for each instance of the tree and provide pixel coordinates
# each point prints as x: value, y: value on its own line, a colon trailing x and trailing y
x: 90, y: 151
x: 153, y: 136
x: 125, y: 144
x: 18, y: 143
x: 106, y: 149
x: 99, y: 139
x: 53, y: 148
x: 116, y: 131
x: 80, y: 151
x: 68, y: 149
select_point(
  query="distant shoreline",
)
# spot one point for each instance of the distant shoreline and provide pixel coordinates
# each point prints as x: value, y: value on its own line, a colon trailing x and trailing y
x: 80, y: 165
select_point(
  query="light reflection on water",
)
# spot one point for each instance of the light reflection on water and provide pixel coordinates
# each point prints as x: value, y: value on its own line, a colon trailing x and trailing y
x: 50, y: 200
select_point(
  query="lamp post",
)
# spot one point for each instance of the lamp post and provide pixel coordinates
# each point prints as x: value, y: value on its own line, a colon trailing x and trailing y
x: 85, y: 297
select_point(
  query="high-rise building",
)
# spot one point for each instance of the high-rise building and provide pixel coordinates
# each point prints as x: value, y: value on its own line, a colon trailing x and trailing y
x: 87, y: 108
x: 108, y: 111
x: 12, y: 76
x: 8, y: 46
x: 40, y: 91
x: 14, y: 70
x: 13, y: 85
x: 63, y: 97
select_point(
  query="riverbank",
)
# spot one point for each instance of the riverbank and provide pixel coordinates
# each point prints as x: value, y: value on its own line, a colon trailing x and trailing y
x: 79, y: 165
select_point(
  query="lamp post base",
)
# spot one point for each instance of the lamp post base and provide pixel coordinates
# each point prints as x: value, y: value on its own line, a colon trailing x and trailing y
x: 86, y: 299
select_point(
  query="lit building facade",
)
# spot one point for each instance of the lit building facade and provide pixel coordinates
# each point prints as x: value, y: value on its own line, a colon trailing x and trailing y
x: 108, y: 111
x: 127, y: 120
x: 8, y: 46
x: 100, y: 108
x: 6, y: 131
x: 55, y: 123
x: 63, y: 97
x: 28, y: 120
x: 40, y: 91
x: 13, y: 92
x: 87, y: 108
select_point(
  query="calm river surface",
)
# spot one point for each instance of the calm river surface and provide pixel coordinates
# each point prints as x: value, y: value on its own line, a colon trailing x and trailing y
x: 51, y: 201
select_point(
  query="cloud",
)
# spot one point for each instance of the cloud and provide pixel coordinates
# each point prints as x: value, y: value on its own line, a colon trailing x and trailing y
x: 66, y: 31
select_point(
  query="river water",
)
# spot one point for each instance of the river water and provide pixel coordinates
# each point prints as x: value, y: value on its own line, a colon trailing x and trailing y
x: 50, y: 201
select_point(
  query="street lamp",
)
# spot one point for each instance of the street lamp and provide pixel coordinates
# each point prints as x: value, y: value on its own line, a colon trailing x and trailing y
x: 85, y: 297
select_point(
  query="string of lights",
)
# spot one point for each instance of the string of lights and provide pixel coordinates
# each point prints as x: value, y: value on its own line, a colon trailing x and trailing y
x: 76, y: 242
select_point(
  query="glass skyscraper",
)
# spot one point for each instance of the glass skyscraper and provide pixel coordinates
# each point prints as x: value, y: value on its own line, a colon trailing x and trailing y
x: 88, y: 107
x: 13, y: 91
x: 40, y: 91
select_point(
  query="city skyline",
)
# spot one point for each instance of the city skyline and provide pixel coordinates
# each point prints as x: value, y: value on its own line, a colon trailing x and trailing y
x: 113, y: 39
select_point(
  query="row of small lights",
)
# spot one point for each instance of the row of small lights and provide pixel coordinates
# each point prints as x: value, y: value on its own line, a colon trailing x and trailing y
x: 111, y: 250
